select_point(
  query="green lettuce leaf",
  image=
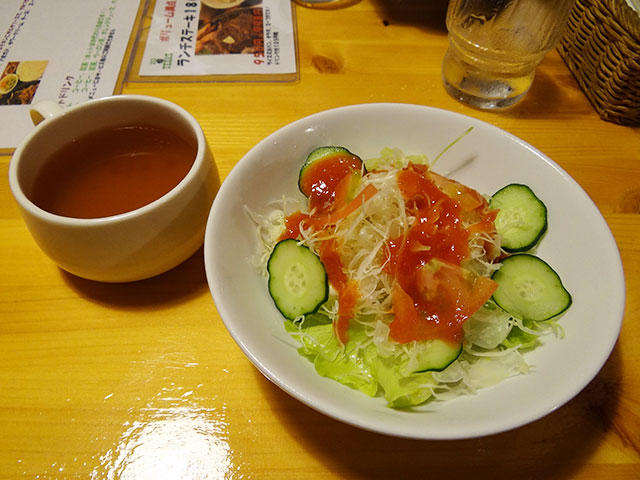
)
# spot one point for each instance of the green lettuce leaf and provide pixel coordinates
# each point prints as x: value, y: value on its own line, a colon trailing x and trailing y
x: 359, y: 366
x: 351, y: 365
x: 402, y: 390
x: 519, y: 338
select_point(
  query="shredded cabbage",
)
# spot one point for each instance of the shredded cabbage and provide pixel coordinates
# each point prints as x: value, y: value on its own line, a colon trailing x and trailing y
x: 371, y: 361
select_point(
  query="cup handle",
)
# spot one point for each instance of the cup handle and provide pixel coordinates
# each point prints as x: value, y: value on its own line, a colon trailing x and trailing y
x: 43, y: 110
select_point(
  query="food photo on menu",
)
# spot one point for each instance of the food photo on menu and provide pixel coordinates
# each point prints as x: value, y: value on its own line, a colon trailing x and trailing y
x: 20, y: 80
x: 221, y: 38
x: 227, y: 27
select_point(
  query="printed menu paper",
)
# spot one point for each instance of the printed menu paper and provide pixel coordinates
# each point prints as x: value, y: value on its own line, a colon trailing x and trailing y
x: 68, y: 52
x: 219, y: 37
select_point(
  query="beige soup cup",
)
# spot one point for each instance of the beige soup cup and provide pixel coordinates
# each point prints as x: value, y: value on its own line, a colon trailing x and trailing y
x: 130, y: 246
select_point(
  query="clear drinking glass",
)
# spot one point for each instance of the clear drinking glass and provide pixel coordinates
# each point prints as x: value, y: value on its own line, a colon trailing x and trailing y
x: 496, y: 45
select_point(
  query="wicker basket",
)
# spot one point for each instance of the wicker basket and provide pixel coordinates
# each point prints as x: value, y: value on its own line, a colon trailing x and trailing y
x: 601, y: 47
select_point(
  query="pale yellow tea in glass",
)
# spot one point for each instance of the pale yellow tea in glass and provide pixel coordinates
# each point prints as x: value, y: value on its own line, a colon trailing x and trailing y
x: 495, y: 47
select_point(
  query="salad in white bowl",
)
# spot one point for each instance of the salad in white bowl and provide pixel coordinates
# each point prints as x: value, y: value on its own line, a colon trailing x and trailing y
x: 403, y: 283
x: 262, y: 191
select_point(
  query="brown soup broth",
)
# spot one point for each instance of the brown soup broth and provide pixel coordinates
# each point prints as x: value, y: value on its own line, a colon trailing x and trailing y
x: 112, y: 171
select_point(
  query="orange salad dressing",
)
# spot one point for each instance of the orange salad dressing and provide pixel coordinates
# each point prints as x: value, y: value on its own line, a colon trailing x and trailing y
x: 433, y: 293
x: 321, y: 178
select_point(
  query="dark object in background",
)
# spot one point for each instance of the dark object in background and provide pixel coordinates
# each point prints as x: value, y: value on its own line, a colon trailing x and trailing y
x: 601, y: 47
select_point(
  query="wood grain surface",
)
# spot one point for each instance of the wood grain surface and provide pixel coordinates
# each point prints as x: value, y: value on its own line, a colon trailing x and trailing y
x: 143, y: 381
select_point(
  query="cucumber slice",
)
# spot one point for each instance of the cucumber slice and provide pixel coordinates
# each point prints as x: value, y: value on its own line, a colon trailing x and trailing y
x: 322, y: 153
x: 298, y: 282
x: 522, y: 218
x: 436, y: 355
x: 528, y: 288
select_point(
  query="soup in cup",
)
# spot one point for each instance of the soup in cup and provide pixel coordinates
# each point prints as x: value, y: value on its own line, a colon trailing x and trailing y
x: 115, y: 189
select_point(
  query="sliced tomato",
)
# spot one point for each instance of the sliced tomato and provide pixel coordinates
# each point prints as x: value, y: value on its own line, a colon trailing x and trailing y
x: 408, y: 325
x: 418, y: 190
x: 465, y: 291
x: 468, y: 198
x: 442, y: 299
x: 486, y: 224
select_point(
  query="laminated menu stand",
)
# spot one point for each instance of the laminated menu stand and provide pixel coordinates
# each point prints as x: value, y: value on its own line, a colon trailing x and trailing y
x: 216, y: 41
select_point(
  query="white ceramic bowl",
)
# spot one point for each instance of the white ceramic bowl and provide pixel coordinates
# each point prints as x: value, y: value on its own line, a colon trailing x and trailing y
x: 578, y: 244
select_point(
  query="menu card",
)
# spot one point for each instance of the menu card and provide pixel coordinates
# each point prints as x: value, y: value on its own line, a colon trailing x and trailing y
x: 67, y: 51
x: 224, y: 40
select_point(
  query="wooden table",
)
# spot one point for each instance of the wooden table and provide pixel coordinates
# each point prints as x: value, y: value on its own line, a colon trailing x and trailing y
x: 143, y: 381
